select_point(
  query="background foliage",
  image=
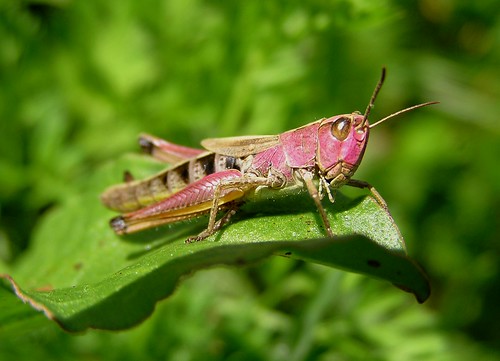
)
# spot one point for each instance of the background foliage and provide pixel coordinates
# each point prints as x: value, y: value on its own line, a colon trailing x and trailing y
x: 80, y: 80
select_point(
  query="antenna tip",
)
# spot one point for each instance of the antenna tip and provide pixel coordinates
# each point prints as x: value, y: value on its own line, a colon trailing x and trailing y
x: 384, y: 72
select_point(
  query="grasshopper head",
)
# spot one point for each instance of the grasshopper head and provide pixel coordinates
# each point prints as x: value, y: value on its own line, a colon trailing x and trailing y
x: 342, y: 140
x: 341, y: 145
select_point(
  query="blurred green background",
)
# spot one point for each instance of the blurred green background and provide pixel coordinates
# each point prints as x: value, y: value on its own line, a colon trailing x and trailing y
x: 80, y: 80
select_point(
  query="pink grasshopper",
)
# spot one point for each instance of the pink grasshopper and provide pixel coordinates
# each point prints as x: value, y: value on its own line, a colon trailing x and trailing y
x: 218, y: 178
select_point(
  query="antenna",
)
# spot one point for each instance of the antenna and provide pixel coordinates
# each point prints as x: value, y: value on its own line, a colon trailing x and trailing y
x: 372, y: 102
x: 401, y: 112
x: 372, y: 99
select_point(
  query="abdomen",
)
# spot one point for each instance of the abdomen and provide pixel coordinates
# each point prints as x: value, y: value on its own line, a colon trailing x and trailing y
x: 131, y: 196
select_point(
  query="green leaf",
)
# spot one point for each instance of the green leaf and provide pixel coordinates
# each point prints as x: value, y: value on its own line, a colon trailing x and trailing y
x: 81, y: 275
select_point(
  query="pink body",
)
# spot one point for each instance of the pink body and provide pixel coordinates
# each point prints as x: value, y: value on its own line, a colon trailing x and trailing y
x: 315, y: 145
x: 329, y: 150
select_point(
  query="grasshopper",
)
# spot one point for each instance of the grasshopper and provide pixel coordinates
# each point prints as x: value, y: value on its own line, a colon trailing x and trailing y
x: 326, y: 152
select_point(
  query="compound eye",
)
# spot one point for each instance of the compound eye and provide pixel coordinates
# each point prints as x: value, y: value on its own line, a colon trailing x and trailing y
x: 341, y: 128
